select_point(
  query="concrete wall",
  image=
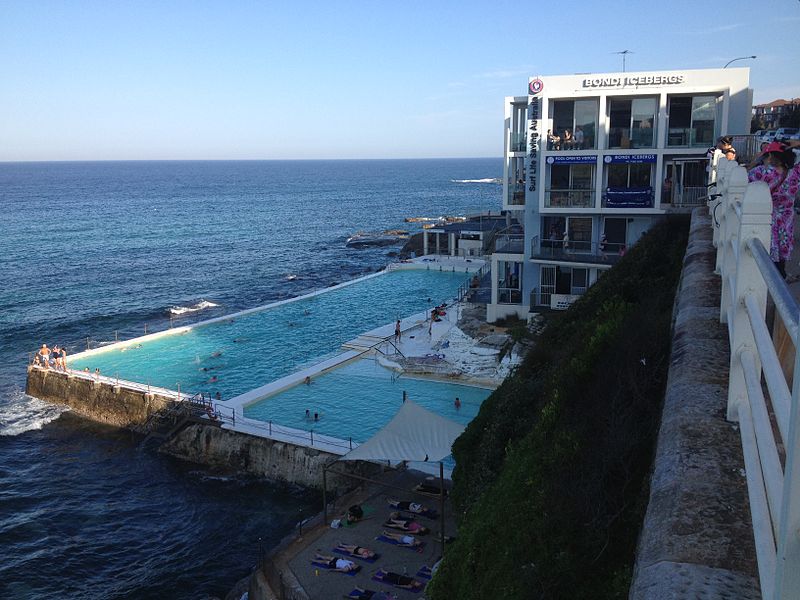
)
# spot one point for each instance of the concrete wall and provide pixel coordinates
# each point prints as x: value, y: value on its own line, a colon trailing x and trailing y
x: 96, y: 400
x: 275, y: 460
x: 697, y: 536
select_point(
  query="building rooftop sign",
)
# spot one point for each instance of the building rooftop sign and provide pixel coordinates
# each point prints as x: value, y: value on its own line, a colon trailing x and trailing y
x: 632, y: 80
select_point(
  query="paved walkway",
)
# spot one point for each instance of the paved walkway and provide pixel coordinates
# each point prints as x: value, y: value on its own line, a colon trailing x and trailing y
x: 295, y: 559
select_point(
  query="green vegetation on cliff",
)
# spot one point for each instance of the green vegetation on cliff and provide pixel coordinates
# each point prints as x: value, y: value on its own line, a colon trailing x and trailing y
x: 552, y: 476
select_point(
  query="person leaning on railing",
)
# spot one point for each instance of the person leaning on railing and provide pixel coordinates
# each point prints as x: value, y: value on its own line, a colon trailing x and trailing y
x: 778, y: 170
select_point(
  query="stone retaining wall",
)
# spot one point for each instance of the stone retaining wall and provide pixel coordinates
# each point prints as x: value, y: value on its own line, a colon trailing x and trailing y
x: 100, y: 401
x: 697, y: 536
x: 264, y: 457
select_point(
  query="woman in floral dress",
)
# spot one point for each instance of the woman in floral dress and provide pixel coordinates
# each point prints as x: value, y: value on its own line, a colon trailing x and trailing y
x: 776, y: 171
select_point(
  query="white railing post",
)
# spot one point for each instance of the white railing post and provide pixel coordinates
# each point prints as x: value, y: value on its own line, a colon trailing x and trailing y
x: 787, y: 571
x: 755, y: 222
x: 734, y: 184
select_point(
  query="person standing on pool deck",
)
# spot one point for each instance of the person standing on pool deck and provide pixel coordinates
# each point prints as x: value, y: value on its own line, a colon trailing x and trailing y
x: 457, y: 403
x: 397, y: 331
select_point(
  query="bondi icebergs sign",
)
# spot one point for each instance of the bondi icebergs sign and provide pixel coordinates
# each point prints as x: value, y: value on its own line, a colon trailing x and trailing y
x: 625, y: 80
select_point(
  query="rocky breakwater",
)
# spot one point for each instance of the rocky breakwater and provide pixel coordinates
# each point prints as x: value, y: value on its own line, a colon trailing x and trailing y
x: 96, y: 399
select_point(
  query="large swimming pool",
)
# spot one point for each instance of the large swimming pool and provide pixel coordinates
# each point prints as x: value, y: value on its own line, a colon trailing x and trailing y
x: 234, y: 356
x: 356, y: 400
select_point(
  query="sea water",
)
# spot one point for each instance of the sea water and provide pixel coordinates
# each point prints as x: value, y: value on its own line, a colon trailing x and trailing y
x: 103, y: 250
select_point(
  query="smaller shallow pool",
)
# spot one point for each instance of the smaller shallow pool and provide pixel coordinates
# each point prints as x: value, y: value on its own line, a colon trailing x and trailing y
x: 357, y: 400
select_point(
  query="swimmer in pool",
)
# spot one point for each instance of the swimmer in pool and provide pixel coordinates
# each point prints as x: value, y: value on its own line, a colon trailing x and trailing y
x: 216, y: 354
x: 213, y: 379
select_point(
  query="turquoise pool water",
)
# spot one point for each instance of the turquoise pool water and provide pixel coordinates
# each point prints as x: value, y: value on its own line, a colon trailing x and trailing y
x: 359, y: 398
x: 235, y: 356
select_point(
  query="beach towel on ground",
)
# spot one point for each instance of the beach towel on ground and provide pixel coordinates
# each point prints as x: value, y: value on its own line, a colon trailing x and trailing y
x: 425, y: 572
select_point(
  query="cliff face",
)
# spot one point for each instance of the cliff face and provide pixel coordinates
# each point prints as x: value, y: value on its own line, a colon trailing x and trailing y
x: 552, y: 476
x: 96, y: 400
x: 275, y: 460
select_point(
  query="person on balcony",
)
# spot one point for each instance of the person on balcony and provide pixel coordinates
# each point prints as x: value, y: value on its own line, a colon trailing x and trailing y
x: 553, y: 141
x: 567, y: 141
x: 578, y: 138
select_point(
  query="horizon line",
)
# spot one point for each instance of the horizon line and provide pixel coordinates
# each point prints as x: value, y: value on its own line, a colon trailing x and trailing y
x: 109, y: 160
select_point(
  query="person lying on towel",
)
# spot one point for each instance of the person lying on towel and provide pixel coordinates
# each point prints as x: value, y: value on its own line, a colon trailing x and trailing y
x: 354, y: 550
x: 398, y: 580
x: 403, y: 540
x: 337, y: 564
x: 406, y: 525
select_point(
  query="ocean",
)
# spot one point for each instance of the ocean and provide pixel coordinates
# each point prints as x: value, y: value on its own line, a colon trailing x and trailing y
x: 95, y: 251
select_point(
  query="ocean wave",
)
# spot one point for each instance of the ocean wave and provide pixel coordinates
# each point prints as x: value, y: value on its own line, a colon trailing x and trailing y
x: 488, y: 180
x: 21, y: 413
x: 202, y: 305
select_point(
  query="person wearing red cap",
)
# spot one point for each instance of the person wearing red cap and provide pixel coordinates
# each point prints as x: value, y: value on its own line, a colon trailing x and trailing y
x: 776, y: 170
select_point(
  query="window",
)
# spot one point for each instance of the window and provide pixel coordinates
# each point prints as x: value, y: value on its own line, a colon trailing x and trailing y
x: 632, y: 122
x: 509, y: 285
x: 574, y: 125
x: 637, y: 175
x: 571, y: 185
x: 692, y: 121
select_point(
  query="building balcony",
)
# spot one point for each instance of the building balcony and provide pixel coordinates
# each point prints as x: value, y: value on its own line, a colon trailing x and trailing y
x: 510, y: 244
x: 519, y: 142
x: 556, y: 144
x: 690, y: 137
x: 576, y: 251
x: 569, y: 198
x: 516, y: 194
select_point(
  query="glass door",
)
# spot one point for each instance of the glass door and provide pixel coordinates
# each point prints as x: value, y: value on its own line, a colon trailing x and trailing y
x: 579, y: 232
x: 548, y: 284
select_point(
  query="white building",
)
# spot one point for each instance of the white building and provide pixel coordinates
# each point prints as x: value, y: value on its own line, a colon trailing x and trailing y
x: 592, y: 161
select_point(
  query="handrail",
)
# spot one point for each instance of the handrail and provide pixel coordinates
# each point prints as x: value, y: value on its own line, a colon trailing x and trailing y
x: 742, y: 233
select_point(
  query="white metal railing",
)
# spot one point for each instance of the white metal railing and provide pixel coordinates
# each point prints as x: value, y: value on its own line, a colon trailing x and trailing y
x: 741, y: 217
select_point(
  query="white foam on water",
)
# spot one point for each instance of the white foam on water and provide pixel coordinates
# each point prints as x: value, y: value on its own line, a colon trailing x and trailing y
x: 20, y: 413
x: 202, y: 305
x: 488, y: 180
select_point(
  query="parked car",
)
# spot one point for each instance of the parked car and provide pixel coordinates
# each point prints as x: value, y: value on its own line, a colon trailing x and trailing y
x: 767, y: 137
x: 784, y: 133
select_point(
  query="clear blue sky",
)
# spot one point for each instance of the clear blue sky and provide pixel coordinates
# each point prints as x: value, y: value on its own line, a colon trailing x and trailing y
x: 248, y: 80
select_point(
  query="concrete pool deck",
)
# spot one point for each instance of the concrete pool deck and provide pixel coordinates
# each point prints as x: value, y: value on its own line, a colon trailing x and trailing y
x: 293, y: 558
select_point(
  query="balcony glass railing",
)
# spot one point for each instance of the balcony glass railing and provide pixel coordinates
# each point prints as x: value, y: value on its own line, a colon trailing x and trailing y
x: 569, y: 198
x: 627, y: 137
x: 691, y: 137
x: 519, y: 142
x: 510, y: 244
x: 516, y: 194
x: 558, y: 143
x: 576, y: 251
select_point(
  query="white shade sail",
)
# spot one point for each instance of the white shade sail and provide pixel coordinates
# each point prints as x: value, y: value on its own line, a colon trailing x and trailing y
x: 414, y: 434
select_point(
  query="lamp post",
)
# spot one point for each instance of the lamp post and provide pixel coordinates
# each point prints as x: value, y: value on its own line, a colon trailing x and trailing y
x: 740, y: 58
